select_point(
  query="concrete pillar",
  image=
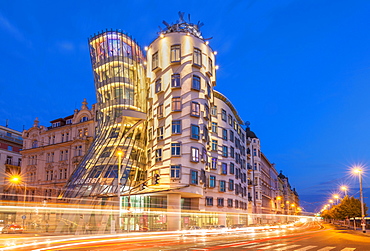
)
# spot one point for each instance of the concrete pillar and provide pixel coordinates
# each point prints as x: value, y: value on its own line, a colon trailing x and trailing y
x: 174, y: 212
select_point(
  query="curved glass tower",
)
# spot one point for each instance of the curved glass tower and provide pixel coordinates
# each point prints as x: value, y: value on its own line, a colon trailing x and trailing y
x: 119, y: 76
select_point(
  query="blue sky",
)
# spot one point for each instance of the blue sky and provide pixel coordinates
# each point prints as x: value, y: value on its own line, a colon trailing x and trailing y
x: 298, y: 70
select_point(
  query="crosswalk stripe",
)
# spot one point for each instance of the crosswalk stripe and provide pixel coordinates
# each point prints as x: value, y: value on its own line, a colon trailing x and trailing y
x: 273, y: 246
x: 326, y: 249
x: 288, y: 247
x: 305, y: 248
x: 348, y: 249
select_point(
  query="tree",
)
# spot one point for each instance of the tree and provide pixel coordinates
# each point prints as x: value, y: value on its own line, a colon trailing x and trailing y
x: 348, y: 208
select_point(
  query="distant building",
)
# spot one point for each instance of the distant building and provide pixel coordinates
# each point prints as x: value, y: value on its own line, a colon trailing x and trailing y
x: 51, y: 154
x: 10, y: 161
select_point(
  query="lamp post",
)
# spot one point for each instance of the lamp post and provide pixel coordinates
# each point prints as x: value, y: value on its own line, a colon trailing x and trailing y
x: 344, y: 188
x: 288, y: 206
x: 17, y: 180
x: 119, y: 153
x: 336, y: 196
x: 363, y: 224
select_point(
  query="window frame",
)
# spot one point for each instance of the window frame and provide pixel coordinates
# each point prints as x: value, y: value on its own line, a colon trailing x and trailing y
x: 175, y: 48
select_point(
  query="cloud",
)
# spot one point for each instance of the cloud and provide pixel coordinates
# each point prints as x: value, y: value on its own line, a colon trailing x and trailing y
x: 65, y: 46
x: 6, y: 25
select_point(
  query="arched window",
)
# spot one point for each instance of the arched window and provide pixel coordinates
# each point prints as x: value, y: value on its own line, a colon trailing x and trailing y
x: 34, y: 144
x: 83, y: 119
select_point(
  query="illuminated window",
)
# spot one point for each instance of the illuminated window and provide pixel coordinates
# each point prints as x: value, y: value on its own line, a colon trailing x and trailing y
x: 196, y: 83
x: 176, y: 53
x: 195, y: 109
x: 176, y: 104
x: 175, y: 81
x: 194, y: 154
x: 197, y: 57
x: 155, y: 61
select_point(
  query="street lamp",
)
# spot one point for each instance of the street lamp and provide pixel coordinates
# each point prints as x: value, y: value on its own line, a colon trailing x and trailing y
x: 119, y: 153
x: 359, y: 172
x: 16, y: 179
x: 336, y: 196
x: 288, y: 205
x: 344, y: 188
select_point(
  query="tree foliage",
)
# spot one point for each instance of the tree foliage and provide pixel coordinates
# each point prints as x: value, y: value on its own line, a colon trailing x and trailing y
x: 349, y: 207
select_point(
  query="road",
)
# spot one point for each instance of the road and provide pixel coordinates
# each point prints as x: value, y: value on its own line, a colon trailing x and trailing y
x: 311, y: 236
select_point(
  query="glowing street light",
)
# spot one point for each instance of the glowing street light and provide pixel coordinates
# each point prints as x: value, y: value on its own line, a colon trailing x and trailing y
x: 16, y: 179
x: 345, y: 189
x: 336, y: 196
x: 359, y: 172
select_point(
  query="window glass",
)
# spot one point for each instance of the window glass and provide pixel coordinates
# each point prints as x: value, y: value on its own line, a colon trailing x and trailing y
x: 195, y: 109
x: 194, y: 154
x: 175, y: 171
x: 197, y: 57
x: 196, y: 83
x: 175, y: 80
x: 176, y: 104
x: 175, y: 53
x: 155, y: 62
x: 176, y: 126
x: 175, y: 149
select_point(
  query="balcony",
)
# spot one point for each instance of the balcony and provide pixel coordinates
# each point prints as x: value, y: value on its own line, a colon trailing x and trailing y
x: 11, y: 138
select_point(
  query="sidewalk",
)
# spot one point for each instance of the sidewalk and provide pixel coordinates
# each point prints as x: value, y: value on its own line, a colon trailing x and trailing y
x: 350, y: 230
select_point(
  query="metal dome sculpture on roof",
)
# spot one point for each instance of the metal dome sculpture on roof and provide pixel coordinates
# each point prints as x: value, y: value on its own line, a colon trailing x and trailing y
x: 182, y: 26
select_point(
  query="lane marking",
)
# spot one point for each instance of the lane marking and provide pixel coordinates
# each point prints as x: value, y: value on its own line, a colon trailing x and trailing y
x: 348, y: 249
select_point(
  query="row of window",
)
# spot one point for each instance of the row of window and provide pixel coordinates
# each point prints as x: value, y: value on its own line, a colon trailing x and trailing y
x: 64, y: 137
x: 49, y: 174
x: 63, y: 155
x: 230, y: 203
x: 176, y: 83
x: 175, y: 57
x: 68, y: 122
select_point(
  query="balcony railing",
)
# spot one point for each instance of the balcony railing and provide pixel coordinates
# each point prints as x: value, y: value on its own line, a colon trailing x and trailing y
x: 11, y: 138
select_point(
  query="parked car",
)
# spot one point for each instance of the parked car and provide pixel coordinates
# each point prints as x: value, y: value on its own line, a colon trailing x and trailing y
x: 12, y: 228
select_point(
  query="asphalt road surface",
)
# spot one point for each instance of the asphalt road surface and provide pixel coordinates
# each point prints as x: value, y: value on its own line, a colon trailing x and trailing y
x: 311, y: 236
